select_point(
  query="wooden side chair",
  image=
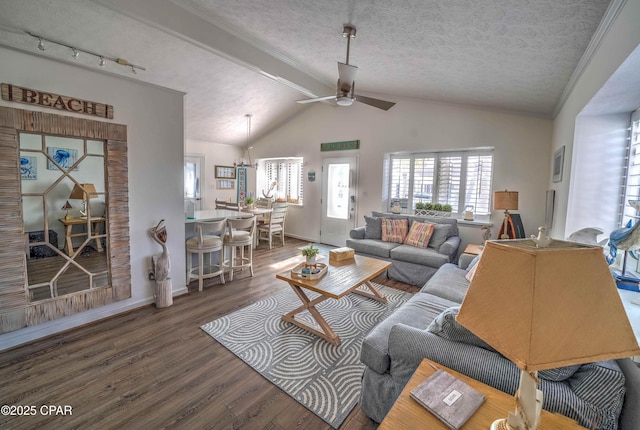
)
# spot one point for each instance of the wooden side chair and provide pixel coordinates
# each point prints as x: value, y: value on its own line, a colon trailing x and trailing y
x: 221, y: 204
x: 273, y: 227
x: 208, y: 240
x: 239, y: 239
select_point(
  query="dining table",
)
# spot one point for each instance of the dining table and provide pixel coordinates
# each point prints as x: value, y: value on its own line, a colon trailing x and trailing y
x: 258, y: 212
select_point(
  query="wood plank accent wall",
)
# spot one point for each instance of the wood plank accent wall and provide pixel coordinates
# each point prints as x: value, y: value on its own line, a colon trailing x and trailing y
x: 15, y: 310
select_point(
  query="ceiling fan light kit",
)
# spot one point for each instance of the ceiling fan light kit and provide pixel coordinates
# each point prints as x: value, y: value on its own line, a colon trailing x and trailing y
x: 345, y: 93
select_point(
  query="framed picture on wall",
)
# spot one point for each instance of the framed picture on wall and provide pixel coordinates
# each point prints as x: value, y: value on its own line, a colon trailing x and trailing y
x: 558, y: 164
x: 226, y: 172
x: 225, y: 184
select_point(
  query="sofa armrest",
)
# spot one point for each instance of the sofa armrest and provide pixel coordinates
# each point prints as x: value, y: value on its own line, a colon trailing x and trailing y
x: 357, y: 233
x: 450, y: 247
x: 465, y: 260
x: 630, y: 414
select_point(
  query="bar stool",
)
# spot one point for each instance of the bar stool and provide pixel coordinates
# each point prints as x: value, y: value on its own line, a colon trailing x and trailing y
x: 205, y: 243
x: 239, y: 236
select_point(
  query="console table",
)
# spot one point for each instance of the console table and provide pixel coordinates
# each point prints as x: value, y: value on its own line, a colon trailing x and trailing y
x: 93, y: 232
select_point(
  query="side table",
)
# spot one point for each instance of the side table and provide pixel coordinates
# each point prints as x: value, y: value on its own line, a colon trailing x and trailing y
x: 407, y: 414
x: 473, y: 249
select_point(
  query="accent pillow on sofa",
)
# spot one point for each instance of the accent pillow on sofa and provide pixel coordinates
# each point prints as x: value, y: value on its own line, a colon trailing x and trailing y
x: 419, y: 234
x: 440, y: 235
x: 446, y: 326
x: 394, y: 230
x: 372, y: 228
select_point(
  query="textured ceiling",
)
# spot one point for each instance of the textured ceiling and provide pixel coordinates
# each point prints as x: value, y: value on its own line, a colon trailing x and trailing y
x: 233, y: 57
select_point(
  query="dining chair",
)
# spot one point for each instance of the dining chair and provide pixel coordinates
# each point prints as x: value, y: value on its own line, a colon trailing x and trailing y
x: 238, y: 239
x: 221, y: 204
x: 208, y: 240
x: 274, y: 227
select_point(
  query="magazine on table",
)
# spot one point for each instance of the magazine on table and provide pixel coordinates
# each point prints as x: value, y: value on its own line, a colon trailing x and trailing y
x: 450, y: 399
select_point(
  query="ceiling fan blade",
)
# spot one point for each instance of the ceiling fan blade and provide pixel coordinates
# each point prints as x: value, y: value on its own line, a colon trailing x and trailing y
x: 380, y: 104
x: 318, y: 99
x: 347, y: 74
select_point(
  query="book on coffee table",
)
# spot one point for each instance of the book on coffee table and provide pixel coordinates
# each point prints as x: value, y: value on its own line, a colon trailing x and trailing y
x: 450, y: 399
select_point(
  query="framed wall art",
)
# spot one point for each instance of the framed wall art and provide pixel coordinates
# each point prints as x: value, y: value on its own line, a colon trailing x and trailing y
x: 65, y: 157
x: 225, y: 184
x: 28, y: 168
x: 558, y: 164
x: 226, y: 172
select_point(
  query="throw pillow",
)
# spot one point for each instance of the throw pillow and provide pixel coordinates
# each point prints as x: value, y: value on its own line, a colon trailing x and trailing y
x: 394, y: 230
x: 446, y: 326
x: 372, y: 228
x: 419, y: 234
x: 440, y: 235
x: 471, y: 270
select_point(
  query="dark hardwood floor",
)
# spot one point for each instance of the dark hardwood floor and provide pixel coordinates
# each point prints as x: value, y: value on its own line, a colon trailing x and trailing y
x: 154, y: 368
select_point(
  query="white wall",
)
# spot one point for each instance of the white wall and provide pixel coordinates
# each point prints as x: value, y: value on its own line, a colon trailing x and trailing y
x: 154, y: 119
x: 221, y: 155
x: 618, y: 43
x: 522, y: 150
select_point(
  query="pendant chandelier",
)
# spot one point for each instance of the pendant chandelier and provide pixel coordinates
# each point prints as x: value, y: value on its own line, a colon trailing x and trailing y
x: 243, y: 162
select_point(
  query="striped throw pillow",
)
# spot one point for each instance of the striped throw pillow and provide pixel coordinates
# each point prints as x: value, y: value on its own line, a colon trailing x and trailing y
x: 394, y: 230
x: 420, y: 234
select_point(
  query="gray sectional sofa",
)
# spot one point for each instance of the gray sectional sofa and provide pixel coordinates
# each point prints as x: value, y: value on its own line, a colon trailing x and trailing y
x: 411, y: 265
x: 605, y: 394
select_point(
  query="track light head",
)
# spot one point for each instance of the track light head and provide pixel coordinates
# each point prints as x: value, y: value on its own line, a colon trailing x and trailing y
x: 76, y: 54
x: 41, y: 44
x: 103, y: 63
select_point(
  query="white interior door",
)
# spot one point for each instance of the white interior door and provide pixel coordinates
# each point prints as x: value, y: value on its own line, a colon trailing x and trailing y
x: 339, y: 186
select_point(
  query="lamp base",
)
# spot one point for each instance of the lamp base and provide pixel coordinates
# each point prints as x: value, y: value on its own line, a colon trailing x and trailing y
x: 500, y: 424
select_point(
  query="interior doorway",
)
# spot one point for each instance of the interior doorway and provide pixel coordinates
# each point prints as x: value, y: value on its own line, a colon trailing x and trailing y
x: 193, y: 180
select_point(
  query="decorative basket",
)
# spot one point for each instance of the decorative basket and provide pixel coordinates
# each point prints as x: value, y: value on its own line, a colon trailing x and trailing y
x: 296, y: 272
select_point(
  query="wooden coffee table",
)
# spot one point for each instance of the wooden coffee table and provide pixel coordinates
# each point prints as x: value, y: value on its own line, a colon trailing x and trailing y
x: 342, y: 278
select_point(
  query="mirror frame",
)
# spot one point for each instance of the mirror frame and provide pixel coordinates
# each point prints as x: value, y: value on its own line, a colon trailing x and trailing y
x: 15, y: 309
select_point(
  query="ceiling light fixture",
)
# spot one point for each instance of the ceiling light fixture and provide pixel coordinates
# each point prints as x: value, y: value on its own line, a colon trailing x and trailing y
x: 76, y: 53
x: 243, y: 162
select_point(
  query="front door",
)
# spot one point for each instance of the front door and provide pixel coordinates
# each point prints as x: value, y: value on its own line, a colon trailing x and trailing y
x: 338, y: 199
x: 193, y: 176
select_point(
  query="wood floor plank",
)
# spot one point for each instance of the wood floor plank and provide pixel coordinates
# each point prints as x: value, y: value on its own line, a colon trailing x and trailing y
x: 155, y: 368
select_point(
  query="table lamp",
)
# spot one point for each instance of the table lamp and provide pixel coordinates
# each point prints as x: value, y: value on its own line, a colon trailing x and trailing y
x: 83, y: 192
x: 545, y: 307
x: 505, y: 200
x: 66, y: 207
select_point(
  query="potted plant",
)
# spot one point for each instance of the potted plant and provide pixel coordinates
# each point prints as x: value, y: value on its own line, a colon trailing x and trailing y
x: 310, y: 253
x: 249, y: 201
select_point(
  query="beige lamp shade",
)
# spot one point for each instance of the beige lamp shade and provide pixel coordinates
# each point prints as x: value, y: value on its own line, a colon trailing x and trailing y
x: 547, y: 307
x: 78, y: 193
x: 505, y: 200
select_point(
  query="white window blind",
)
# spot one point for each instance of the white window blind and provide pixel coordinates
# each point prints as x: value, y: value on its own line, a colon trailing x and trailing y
x: 286, y: 174
x: 632, y: 186
x: 458, y: 178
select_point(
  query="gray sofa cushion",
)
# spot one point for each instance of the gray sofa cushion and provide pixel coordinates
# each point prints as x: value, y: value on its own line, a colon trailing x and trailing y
x: 425, y: 256
x: 445, y: 325
x: 448, y: 282
x: 376, y: 248
x: 373, y: 228
x: 418, y: 312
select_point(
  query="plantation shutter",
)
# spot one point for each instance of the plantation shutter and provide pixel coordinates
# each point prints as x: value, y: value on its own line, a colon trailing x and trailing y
x: 632, y: 188
x: 423, y: 178
x: 449, y: 180
x: 287, y: 174
x: 478, y: 187
x: 399, y: 181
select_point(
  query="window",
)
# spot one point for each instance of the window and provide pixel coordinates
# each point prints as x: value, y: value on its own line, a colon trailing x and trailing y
x: 458, y: 178
x: 632, y: 186
x: 280, y: 179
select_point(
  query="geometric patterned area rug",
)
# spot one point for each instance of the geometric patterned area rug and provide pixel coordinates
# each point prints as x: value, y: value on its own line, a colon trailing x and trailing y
x: 322, y: 377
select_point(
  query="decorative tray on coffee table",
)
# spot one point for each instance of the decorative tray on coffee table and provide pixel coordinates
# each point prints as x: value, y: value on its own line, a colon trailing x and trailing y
x: 316, y: 271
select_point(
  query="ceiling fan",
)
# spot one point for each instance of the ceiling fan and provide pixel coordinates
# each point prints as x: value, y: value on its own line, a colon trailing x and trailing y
x: 345, y: 94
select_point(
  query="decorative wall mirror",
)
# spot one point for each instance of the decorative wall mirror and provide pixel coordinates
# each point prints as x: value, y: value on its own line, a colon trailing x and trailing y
x: 65, y: 221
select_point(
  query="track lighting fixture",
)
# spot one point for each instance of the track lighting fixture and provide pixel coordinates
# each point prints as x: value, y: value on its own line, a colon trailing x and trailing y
x: 76, y: 53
